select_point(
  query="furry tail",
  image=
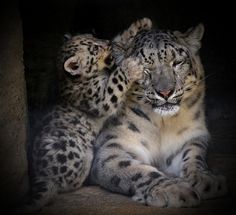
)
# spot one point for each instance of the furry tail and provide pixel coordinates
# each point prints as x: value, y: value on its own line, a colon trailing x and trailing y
x: 41, y: 194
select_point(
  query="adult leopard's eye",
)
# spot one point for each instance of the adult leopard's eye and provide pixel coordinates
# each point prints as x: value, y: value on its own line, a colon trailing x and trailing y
x: 177, y: 63
x: 147, y: 71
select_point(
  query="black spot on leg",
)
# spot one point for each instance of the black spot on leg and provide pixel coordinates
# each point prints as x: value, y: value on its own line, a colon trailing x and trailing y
x: 114, y: 145
x: 182, y: 198
x: 109, y: 137
x: 70, y: 155
x: 114, y: 121
x: 186, y: 152
x: 154, y: 175
x: 199, y: 145
x: 131, y: 191
x: 108, y: 159
x: 60, y: 146
x: 71, y: 143
x: 186, y: 159
x: 194, y: 195
x: 133, y: 127
x: 55, y: 170
x: 110, y: 90
x: 69, y: 173
x: 198, y: 157
x: 140, y: 113
x: 115, y: 180
x: 61, y: 158
x: 63, y: 169
x: 123, y: 164
x: 137, y: 176
x: 146, y: 183
x: 77, y: 164
x: 106, y: 107
x: 114, y: 80
x: 120, y: 87
x: 207, y: 188
x: 114, y: 99
x: 121, y: 79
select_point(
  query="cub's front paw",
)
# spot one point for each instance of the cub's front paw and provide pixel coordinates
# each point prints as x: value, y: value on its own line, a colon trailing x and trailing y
x: 208, y: 185
x: 172, y: 193
x: 134, y: 69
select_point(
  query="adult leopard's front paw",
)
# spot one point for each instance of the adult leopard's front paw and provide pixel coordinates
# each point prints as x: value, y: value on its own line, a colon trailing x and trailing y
x: 134, y: 69
x: 172, y: 193
x: 207, y: 185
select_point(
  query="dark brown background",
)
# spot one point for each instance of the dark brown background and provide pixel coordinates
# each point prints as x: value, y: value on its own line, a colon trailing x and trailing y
x: 45, y: 22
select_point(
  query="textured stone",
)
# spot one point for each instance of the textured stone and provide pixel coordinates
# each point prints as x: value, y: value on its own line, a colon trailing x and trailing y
x: 13, y: 117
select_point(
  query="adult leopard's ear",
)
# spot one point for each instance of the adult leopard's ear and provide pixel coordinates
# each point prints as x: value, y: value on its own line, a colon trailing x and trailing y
x: 72, y: 65
x: 192, y: 37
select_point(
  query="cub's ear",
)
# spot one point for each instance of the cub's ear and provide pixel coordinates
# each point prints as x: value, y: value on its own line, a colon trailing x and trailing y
x: 72, y: 65
x: 192, y: 37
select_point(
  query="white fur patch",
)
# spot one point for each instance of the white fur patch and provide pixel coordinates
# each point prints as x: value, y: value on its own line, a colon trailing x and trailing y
x: 167, y: 110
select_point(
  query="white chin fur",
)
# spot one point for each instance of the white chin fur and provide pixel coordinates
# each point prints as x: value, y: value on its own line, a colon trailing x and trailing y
x: 164, y: 111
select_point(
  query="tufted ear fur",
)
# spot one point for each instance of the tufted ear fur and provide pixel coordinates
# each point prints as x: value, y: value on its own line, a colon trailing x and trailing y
x: 72, y: 65
x: 192, y: 37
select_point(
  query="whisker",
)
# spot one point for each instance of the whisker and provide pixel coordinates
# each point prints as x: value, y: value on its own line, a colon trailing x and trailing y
x: 199, y: 81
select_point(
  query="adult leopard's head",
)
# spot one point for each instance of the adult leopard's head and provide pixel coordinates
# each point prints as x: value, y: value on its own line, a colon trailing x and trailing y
x: 84, y: 54
x: 172, y: 66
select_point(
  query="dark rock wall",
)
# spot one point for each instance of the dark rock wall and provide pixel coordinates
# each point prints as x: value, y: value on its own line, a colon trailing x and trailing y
x: 13, y: 110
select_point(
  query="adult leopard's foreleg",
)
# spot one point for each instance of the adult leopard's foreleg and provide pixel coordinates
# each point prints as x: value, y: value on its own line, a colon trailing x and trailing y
x: 119, y: 171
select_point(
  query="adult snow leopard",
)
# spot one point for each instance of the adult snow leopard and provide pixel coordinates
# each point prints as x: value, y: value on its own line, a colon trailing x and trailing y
x: 155, y: 150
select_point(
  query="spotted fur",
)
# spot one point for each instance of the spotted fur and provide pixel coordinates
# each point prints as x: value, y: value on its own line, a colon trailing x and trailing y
x: 155, y: 150
x: 92, y: 88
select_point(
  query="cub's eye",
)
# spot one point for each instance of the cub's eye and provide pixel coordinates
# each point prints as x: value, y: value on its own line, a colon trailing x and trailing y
x: 147, y: 72
x: 177, y: 63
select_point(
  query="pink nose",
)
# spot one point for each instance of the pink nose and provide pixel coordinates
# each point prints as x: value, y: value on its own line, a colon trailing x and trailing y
x: 165, y: 93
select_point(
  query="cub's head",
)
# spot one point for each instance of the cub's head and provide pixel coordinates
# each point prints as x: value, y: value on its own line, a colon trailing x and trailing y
x: 84, y: 55
x: 172, y: 66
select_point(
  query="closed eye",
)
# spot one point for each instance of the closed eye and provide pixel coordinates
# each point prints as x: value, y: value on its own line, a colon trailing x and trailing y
x: 147, y: 72
x: 177, y: 63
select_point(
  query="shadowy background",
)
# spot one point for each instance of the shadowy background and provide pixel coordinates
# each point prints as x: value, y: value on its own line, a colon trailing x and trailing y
x: 45, y: 22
